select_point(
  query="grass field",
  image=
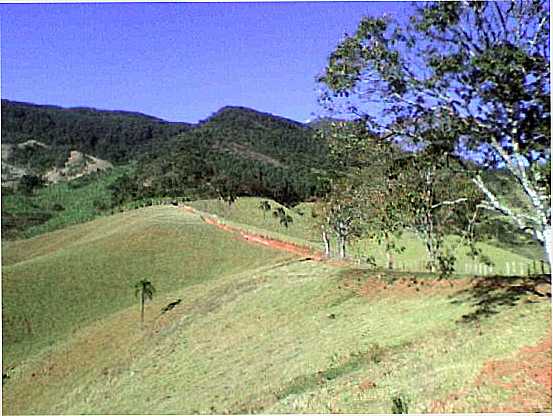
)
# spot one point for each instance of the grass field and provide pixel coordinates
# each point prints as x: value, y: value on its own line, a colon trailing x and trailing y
x: 258, y: 330
x: 57, y: 282
x: 512, y: 260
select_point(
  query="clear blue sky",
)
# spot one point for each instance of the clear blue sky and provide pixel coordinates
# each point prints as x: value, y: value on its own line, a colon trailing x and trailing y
x: 177, y: 61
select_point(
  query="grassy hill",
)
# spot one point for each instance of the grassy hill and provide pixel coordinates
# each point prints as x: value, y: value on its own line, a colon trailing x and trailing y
x: 257, y: 330
x: 57, y: 282
x: 513, y: 258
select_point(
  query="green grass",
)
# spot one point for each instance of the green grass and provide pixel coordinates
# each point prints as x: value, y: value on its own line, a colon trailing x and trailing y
x: 303, y: 230
x: 257, y: 330
x: 246, y: 212
x: 57, y: 282
x: 263, y: 341
x: 60, y: 205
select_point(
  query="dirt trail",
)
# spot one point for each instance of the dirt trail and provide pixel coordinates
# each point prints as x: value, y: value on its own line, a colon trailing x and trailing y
x: 258, y: 239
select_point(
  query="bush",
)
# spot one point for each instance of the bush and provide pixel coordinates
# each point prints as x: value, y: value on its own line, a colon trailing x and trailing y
x: 28, y: 183
x: 399, y: 404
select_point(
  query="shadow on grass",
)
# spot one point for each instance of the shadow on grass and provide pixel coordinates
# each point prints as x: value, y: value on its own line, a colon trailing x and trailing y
x: 491, y: 294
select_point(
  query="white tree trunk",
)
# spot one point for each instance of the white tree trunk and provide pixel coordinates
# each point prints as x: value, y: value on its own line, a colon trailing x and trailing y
x: 326, y: 243
x: 547, y: 243
x: 342, y: 246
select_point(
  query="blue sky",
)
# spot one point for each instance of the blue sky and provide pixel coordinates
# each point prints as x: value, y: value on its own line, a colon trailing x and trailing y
x: 177, y: 61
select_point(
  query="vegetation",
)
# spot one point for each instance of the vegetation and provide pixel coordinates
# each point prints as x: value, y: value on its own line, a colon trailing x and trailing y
x: 449, y: 179
x: 237, y: 152
x: 300, y: 334
x: 94, y: 265
x: 59, y: 205
x: 463, y: 80
x: 145, y: 289
x: 507, y: 258
x: 117, y: 136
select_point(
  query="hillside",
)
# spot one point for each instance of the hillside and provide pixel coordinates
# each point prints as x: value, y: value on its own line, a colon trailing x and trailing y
x: 93, y: 279
x: 508, y: 256
x: 236, y: 151
x: 116, y: 136
x: 256, y: 331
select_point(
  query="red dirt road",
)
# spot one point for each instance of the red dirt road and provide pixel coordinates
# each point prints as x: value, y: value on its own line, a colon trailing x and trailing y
x: 258, y: 239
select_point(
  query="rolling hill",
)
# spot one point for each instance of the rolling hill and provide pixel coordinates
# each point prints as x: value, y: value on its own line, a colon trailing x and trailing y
x: 257, y: 331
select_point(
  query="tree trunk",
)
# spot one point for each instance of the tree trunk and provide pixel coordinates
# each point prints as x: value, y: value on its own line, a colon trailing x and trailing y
x: 389, y: 260
x: 431, y: 253
x: 326, y: 242
x: 342, y: 239
x: 389, y: 255
x: 547, y: 243
x: 142, y: 307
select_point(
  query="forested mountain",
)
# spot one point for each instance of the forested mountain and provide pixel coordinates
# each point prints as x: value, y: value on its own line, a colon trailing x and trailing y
x: 117, y: 136
x: 236, y: 151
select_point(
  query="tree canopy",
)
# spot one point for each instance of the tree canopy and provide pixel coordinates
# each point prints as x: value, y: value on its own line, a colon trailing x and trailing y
x: 470, y: 81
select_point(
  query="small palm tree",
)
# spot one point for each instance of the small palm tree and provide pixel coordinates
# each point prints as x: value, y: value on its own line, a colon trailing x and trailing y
x: 265, y: 207
x: 146, y: 290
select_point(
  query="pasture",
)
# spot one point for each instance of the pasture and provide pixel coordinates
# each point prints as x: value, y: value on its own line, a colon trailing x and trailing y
x: 258, y: 330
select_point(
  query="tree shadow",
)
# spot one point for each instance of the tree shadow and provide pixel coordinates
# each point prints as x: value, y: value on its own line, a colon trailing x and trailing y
x: 491, y: 294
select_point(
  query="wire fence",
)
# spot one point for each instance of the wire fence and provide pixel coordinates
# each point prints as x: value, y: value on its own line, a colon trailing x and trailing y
x: 507, y: 268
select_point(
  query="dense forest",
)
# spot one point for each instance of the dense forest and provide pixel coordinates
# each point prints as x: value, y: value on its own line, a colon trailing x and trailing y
x: 237, y: 152
x: 117, y: 136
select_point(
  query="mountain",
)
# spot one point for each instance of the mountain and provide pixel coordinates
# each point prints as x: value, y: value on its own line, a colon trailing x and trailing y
x: 117, y: 136
x: 237, y: 152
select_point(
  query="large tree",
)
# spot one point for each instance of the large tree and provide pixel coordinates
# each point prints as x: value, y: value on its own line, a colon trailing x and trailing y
x: 471, y: 81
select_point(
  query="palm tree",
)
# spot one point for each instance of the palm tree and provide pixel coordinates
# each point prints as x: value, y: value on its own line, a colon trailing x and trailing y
x: 145, y: 289
x: 264, y: 206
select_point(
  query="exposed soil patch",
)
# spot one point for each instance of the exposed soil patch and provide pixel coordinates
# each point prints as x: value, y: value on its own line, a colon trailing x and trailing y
x: 526, y: 378
x: 258, y: 239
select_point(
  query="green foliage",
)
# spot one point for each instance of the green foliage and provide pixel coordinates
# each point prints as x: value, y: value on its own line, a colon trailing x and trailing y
x: 29, y: 183
x: 459, y: 80
x: 282, y: 216
x: 264, y: 206
x: 238, y: 152
x: 117, y: 136
x: 146, y: 290
x: 59, y: 205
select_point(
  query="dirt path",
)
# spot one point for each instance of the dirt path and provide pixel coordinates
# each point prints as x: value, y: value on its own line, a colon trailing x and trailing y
x: 258, y: 239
